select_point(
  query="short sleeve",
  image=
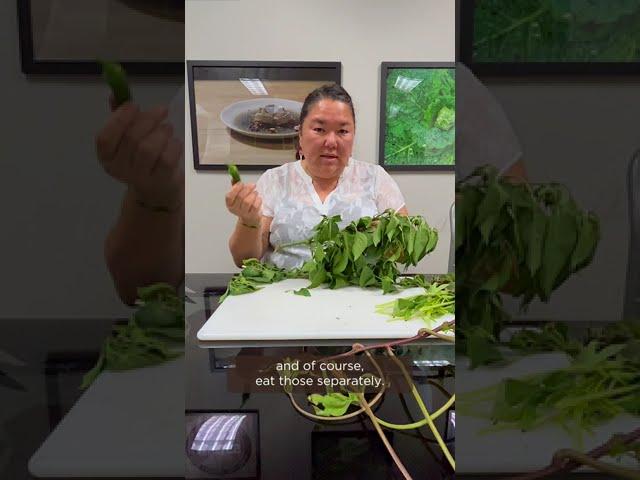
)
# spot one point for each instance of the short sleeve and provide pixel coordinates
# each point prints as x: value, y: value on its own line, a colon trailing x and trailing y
x: 267, y: 188
x: 387, y: 192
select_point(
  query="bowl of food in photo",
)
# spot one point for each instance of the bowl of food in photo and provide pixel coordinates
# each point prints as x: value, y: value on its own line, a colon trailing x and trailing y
x: 263, y: 117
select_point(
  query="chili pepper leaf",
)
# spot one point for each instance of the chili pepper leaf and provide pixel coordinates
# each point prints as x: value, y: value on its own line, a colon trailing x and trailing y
x: 156, y: 314
x: 411, y: 240
x: 501, y: 277
x: 318, y: 254
x: 332, y: 404
x: 490, y: 206
x: 587, y: 241
x: 340, y: 281
x: 359, y: 244
x: 536, y: 235
x: 379, y: 231
x: 158, y: 291
x: 387, y: 285
x: 559, y: 242
x: 317, y: 278
x: 420, y: 245
x: 391, y: 227
x: 366, y: 277
x: 340, y: 261
x: 433, y: 241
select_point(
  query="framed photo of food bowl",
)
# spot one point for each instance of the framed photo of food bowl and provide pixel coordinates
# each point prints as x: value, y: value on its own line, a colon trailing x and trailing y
x: 417, y: 116
x: 503, y: 37
x: 247, y: 113
x: 68, y: 37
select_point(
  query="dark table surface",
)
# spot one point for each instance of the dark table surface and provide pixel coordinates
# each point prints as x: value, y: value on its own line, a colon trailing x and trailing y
x: 57, y: 352
x: 287, y: 438
x: 292, y: 446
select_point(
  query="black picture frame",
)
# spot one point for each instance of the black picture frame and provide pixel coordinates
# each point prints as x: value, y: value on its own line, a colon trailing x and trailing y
x: 255, y: 418
x: 33, y: 66
x: 467, y: 9
x: 320, y: 72
x: 385, y: 69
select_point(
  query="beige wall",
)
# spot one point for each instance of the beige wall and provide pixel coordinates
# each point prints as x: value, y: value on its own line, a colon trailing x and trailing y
x: 562, y: 128
x: 358, y: 33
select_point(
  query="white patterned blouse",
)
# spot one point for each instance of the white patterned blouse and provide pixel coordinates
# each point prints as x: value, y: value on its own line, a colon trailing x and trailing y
x: 289, y: 198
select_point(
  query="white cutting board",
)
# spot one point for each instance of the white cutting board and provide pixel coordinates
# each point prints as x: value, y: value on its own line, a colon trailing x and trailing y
x: 127, y: 424
x: 511, y: 451
x: 275, y: 313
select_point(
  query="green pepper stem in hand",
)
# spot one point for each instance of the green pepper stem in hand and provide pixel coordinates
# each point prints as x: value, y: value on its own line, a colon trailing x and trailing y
x: 233, y: 172
x: 116, y: 77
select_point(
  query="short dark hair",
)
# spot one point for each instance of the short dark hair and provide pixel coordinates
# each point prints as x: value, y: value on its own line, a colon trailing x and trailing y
x: 331, y: 91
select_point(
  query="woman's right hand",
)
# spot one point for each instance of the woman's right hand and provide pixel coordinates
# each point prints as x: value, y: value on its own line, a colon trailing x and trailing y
x: 139, y: 149
x: 245, y: 203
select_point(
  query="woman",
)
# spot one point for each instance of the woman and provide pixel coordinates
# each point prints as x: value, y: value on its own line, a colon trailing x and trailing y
x: 288, y: 201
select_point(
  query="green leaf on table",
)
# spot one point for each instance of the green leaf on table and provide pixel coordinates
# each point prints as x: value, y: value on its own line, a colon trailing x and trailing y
x: 154, y: 334
x: 303, y: 292
x: 332, y: 404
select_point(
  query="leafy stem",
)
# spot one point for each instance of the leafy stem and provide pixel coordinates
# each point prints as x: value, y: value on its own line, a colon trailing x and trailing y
x: 391, y: 155
x: 281, y: 247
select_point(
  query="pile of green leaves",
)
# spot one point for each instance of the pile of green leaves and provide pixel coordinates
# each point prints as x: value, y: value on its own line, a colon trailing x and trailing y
x: 365, y: 253
x: 551, y: 337
x: 437, y: 300
x: 153, y: 334
x: 557, y: 31
x: 516, y: 238
x: 420, y: 122
x: 602, y: 382
x: 254, y: 275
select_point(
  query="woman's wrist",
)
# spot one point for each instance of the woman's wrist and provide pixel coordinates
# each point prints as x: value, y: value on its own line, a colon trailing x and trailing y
x: 252, y: 224
x: 169, y: 204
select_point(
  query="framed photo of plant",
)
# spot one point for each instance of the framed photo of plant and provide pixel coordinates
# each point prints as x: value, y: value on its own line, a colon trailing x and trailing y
x: 417, y: 116
x: 247, y: 112
x: 512, y: 37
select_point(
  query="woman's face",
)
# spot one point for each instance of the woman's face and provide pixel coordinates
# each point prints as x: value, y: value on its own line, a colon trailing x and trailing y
x: 326, y: 138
